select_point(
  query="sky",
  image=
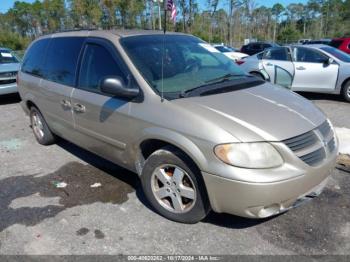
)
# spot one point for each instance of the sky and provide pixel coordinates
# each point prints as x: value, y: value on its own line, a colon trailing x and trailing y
x: 6, y: 4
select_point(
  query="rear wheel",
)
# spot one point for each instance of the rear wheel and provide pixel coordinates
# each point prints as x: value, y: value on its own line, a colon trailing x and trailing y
x: 41, y: 130
x: 174, y: 186
x: 346, y: 91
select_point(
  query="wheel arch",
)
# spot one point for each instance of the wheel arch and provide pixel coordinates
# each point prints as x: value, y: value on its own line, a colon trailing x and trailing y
x: 345, y: 81
x: 156, y: 138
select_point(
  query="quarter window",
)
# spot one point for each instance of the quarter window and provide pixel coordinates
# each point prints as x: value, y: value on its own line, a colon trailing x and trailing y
x: 34, y: 58
x: 62, y: 59
x: 97, y: 64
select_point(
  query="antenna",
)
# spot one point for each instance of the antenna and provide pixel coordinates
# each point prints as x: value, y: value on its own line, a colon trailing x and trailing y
x: 163, y: 49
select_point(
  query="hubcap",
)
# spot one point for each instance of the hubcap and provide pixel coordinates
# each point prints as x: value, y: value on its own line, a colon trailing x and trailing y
x: 37, y: 125
x: 173, y: 188
x: 348, y: 91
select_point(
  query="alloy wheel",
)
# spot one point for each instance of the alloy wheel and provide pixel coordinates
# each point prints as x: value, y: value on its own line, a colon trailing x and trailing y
x: 37, y: 125
x: 173, y: 188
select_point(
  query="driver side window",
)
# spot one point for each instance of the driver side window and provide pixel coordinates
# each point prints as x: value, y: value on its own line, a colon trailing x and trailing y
x: 97, y: 64
x: 307, y: 55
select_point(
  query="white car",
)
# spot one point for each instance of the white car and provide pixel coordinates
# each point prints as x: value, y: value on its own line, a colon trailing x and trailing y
x: 230, y: 52
x: 311, y: 68
x: 9, y: 66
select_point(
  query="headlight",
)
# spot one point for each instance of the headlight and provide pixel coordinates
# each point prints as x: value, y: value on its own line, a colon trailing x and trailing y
x: 249, y: 155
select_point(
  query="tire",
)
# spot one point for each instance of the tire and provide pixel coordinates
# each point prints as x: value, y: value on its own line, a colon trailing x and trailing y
x: 346, y: 91
x: 170, y: 160
x: 41, y: 130
x: 258, y: 75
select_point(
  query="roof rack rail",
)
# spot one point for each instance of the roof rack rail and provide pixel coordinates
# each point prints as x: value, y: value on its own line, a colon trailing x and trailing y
x: 75, y: 29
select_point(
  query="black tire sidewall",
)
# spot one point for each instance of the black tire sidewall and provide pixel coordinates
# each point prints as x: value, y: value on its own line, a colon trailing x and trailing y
x: 345, y: 91
x: 48, y: 137
x: 174, y: 157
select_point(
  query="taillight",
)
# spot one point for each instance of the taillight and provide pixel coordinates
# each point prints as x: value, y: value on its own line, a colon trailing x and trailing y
x: 239, y: 62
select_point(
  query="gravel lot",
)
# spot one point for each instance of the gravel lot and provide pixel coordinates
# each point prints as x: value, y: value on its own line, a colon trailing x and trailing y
x: 38, y: 218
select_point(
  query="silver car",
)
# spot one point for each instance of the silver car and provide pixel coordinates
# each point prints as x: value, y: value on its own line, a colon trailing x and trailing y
x: 314, y: 68
x: 201, y: 134
x: 9, y: 66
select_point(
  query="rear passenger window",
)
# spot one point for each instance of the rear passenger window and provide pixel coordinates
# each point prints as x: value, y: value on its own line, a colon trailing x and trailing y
x: 97, y: 64
x: 278, y: 53
x: 34, y: 58
x: 62, y: 59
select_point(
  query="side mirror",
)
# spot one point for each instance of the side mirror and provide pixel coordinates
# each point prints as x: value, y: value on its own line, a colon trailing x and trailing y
x: 329, y: 61
x: 115, y: 86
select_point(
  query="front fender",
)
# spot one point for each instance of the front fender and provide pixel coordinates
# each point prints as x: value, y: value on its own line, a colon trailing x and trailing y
x: 178, y: 140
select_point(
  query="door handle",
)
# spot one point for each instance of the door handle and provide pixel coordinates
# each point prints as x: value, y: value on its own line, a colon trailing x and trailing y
x: 66, y: 103
x: 269, y: 64
x: 300, y: 68
x: 79, y: 108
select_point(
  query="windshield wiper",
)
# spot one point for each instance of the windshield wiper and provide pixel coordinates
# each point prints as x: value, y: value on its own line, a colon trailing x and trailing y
x: 210, y: 82
x: 224, y: 78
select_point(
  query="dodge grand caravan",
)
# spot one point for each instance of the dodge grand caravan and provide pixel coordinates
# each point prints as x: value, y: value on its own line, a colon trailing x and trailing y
x: 201, y: 134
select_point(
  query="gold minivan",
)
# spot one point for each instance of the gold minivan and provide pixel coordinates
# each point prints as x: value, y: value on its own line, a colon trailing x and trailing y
x: 201, y: 133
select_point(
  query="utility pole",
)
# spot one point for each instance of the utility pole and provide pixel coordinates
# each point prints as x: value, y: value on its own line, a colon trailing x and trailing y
x: 159, y: 14
x: 159, y: 2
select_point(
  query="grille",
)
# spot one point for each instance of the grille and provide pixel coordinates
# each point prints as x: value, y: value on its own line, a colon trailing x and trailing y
x: 314, y: 157
x: 302, y: 141
x: 6, y: 82
x: 325, y: 128
x: 8, y: 74
x: 312, y: 147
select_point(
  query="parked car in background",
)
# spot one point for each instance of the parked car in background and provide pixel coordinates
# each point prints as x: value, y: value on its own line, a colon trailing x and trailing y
x: 9, y: 66
x: 303, y: 41
x: 319, y: 42
x: 257, y: 47
x: 201, y: 133
x: 230, y: 52
x: 312, y: 68
x: 342, y: 44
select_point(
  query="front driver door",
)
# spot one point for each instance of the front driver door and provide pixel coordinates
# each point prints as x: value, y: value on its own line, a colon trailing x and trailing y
x: 279, y: 66
x: 312, y: 73
x: 101, y: 121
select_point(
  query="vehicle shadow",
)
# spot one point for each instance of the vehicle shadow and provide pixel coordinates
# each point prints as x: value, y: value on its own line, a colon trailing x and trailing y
x: 10, y: 99
x: 106, y: 166
x: 232, y: 221
x: 319, y: 96
x: 132, y: 179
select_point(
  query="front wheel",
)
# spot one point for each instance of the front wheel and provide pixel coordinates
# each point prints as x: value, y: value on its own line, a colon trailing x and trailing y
x: 346, y: 91
x: 174, y: 186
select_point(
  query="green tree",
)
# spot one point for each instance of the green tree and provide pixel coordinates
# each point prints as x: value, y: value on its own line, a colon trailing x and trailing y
x: 277, y: 11
x: 85, y: 13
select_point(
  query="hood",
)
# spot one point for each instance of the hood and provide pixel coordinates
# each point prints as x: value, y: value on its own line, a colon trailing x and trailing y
x: 11, y: 67
x: 262, y: 113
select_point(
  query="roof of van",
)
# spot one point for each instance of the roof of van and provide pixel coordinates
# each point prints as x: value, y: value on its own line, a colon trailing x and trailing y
x: 119, y: 33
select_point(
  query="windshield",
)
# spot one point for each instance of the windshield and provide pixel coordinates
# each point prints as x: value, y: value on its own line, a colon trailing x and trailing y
x: 337, y: 53
x: 6, y: 57
x: 188, y: 61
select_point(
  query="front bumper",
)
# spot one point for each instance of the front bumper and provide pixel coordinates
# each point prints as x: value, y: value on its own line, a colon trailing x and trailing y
x: 260, y: 200
x: 8, y: 88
